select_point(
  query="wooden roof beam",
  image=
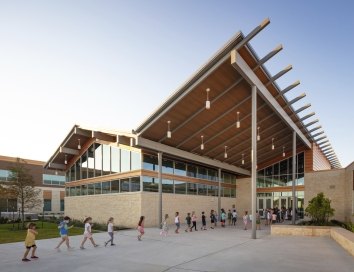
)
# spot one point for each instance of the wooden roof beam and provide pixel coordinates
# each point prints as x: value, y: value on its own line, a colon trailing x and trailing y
x: 302, y: 108
x: 311, y: 123
x: 290, y: 87
x: 314, y: 129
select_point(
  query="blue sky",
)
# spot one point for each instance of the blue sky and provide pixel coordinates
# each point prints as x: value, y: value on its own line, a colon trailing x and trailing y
x: 83, y: 62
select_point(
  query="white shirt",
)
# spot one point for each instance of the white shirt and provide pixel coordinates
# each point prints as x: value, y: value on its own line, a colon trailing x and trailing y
x: 87, y: 228
x: 234, y: 214
x: 176, y: 219
x: 110, y: 227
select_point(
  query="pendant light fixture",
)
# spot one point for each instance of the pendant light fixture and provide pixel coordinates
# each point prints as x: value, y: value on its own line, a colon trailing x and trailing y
x: 207, y: 102
x: 283, y: 151
x: 66, y: 159
x: 202, y: 145
x: 273, y: 144
x: 238, y: 124
x: 258, y: 135
x: 243, y: 159
x: 79, y: 145
x: 169, y: 133
x: 225, y: 154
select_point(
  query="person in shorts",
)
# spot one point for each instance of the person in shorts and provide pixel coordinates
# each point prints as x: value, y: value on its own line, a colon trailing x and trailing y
x: 88, y: 233
x: 30, y: 242
x: 177, y: 222
x: 64, y: 234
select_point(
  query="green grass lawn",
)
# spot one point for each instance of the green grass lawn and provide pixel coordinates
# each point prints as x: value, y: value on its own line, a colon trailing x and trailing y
x: 49, y: 230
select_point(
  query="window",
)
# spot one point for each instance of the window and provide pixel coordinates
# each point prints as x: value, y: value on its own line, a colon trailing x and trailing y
x: 115, y: 157
x: 106, y: 187
x: 98, y: 160
x: 212, y: 174
x: 202, y: 189
x: 212, y: 190
x: 84, y: 189
x: 125, y: 160
x: 191, y: 188
x: 150, y: 162
x: 106, y: 160
x: 180, y: 169
x: 47, y: 205
x: 167, y: 186
x: 283, y: 167
x: 233, y: 193
x: 72, y: 191
x: 227, y: 192
x: 167, y: 166
x: 124, y: 185
x: 180, y: 187
x: 135, y: 184
x: 98, y: 188
x: 300, y: 163
x: 115, y: 186
x: 91, y: 162
x: 136, y: 160
x: 90, y: 189
x: 84, y: 166
x: 72, y: 173
x: 191, y: 171
x: 67, y: 191
x: 53, y: 179
x: 4, y: 175
x: 78, y: 170
x: 150, y: 184
x: 61, y: 205
x: 202, y: 173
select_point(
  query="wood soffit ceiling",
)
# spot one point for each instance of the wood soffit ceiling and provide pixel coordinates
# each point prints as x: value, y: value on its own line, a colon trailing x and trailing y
x: 190, y: 120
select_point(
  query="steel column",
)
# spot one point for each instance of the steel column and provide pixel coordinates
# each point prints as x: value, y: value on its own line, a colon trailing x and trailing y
x: 293, y: 218
x: 219, y: 193
x: 159, y: 211
x: 254, y: 159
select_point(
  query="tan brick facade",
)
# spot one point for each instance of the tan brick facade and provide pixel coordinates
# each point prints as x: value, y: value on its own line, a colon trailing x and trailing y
x: 126, y: 208
x: 337, y: 185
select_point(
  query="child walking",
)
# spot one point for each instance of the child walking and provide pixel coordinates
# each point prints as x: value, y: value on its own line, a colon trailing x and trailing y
x: 188, y: 220
x: 212, y: 219
x: 164, y: 229
x: 203, y: 222
x: 30, y: 242
x: 245, y: 219
x: 194, y: 222
x: 64, y: 233
x: 177, y: 222
x: 110, y: 231
x: 141, y: 227
x: 88, y: 233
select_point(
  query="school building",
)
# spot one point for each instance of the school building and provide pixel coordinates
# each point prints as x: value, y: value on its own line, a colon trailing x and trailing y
x: 51, y: 184
x: 228, y: 137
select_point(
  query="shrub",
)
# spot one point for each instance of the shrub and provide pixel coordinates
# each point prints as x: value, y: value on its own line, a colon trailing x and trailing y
x: 319, y: 209
x: 3, y: 220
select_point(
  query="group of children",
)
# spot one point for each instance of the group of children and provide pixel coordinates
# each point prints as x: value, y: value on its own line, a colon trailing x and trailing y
x: 64, y: 234
x: 191, y: 220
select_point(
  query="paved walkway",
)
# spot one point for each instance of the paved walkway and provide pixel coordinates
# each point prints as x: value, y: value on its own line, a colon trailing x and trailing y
x: 226, y: 249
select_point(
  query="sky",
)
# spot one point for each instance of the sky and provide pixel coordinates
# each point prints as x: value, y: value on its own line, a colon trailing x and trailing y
x: 110, y: 64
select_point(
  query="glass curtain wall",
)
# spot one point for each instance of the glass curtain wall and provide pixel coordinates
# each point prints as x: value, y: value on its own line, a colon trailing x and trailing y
x: 100, y: 160
x: 280, y: 174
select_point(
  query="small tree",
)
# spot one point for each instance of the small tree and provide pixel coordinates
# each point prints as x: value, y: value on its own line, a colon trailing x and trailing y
x: 319, y: 209
x: 22, y: 186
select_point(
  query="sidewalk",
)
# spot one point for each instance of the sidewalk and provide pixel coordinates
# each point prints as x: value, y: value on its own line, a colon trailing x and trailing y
x: 221, y: 249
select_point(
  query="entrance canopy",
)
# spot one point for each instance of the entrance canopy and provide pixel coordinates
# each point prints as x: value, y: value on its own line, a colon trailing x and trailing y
x: 210, y: 115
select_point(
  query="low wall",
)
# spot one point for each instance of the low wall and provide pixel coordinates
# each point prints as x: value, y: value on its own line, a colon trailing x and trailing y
x: 342, y: 236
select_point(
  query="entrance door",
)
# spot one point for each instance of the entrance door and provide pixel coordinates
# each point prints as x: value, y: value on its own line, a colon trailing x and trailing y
x: 284, y: 202
x: 263, y: 203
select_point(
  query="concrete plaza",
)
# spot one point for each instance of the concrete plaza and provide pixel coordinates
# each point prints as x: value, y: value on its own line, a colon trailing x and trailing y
x: 229, y: 249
